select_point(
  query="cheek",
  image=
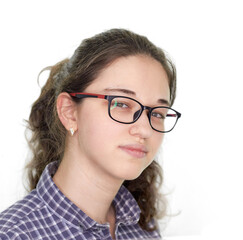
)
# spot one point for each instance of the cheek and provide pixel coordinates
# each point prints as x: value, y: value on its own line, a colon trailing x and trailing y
x: 97, y: 130
x: 156, y: 143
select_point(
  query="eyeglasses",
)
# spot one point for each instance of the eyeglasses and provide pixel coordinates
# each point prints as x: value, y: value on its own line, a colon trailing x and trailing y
x: 127, y: 110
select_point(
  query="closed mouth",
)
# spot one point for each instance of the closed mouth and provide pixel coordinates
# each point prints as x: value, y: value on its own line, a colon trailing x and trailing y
x: 135, y: 150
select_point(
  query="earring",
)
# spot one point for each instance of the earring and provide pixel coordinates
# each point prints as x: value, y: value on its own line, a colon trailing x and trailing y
x: 72, y: 131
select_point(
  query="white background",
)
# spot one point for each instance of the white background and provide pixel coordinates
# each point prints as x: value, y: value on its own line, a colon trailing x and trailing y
x: 202, y: 158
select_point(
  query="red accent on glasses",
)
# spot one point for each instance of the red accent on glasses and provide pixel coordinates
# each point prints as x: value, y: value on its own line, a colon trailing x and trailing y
x: 88, y: 94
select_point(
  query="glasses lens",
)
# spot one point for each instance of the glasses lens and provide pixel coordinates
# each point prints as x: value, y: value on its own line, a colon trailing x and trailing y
x: 163, y: 119
x: 124, y: 110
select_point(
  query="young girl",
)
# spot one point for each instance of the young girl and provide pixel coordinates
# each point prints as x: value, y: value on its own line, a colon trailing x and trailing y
x: 96, y: 128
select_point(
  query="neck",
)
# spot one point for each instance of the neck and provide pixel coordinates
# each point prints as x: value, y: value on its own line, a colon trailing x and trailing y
x: 88, y: 188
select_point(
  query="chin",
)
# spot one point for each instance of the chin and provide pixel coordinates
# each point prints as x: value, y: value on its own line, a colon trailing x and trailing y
x: 130, y: 169
x: 132, y: 174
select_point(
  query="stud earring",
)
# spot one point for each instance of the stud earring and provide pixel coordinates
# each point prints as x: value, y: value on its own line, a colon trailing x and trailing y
x: 71, y: 131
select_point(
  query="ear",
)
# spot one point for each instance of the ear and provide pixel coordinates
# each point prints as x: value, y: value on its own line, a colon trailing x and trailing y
x: 67, y: 111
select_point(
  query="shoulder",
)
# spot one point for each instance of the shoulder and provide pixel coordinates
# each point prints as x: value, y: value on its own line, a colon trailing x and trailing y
x: 14, y: 220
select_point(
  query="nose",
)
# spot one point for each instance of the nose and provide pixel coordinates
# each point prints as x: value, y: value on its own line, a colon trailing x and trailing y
x: 142, y: 126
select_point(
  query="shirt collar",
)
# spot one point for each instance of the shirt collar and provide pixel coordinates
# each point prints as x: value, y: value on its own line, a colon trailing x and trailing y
x: 127, y: 209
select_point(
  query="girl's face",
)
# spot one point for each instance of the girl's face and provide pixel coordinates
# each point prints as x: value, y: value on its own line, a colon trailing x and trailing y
x: 121, y: 151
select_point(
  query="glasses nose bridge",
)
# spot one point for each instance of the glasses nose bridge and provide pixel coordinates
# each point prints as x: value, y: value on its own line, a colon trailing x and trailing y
x: 146, y: 108
x: 141, y: 111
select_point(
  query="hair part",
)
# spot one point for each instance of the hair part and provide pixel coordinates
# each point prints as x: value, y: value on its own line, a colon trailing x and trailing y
x: 94, y: 54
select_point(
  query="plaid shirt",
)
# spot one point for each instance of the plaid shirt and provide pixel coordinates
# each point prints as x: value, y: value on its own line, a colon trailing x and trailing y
x: 45, y: 213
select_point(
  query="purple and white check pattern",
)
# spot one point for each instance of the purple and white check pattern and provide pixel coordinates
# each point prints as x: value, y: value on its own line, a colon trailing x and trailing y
x: 45, y: 213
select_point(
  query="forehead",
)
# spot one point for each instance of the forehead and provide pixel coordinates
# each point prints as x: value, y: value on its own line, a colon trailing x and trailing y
x: 140, y: 74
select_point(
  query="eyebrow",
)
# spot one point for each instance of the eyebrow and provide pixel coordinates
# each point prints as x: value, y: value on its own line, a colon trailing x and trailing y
x: 132, y: 93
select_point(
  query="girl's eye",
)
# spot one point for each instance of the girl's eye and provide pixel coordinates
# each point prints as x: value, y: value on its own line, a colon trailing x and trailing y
x: 122, y: 105
x: 158, y: 115
x: 117, y: 104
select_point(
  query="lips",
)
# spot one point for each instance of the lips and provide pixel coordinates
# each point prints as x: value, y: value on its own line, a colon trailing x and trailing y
x: 137, y: 151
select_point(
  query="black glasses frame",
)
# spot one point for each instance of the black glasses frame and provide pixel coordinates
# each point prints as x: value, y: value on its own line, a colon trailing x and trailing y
x: 109, y: 98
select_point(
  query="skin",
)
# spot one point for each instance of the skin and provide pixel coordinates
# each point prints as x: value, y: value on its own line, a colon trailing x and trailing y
x: 93, y: 156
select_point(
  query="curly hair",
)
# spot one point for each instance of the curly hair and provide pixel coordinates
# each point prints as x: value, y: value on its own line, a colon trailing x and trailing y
x: 47, y: 141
